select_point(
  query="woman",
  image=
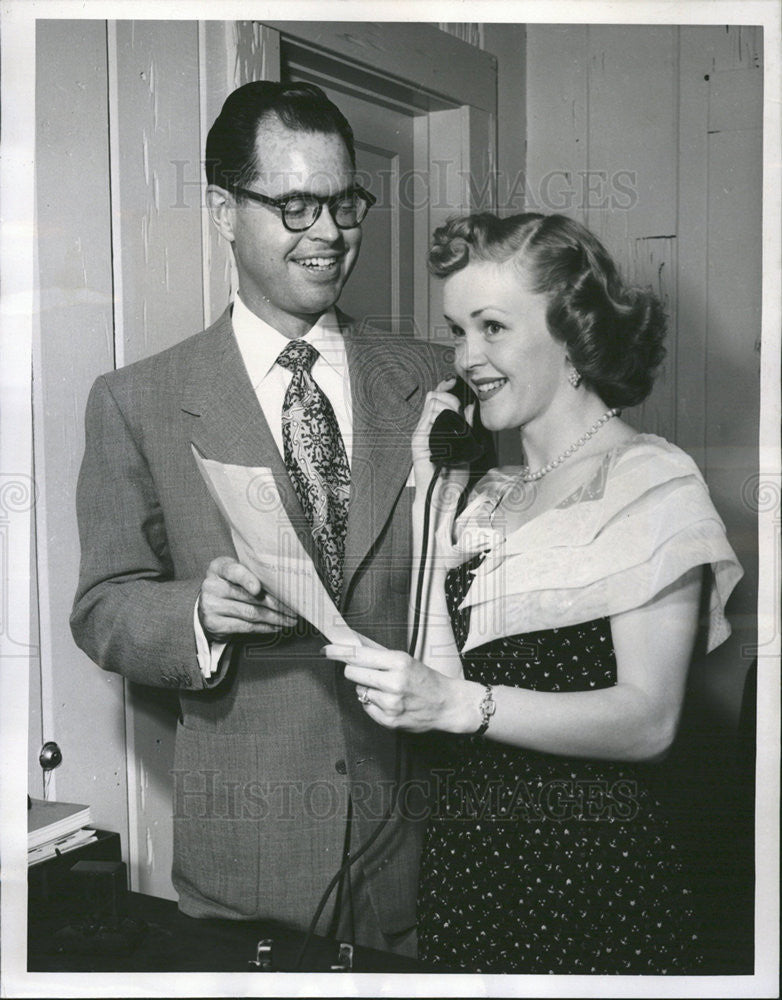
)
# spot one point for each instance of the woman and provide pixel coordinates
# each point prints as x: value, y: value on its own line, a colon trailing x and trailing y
x: 563, y: 612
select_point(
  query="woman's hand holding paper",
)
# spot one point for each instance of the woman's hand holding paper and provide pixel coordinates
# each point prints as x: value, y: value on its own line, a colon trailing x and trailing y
x: 400, y: 692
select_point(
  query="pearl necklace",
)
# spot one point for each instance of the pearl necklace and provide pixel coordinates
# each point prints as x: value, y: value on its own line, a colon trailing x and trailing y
x: 530, y: 477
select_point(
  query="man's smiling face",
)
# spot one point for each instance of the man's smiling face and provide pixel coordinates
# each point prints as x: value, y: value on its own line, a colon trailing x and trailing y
x: 289, y: 279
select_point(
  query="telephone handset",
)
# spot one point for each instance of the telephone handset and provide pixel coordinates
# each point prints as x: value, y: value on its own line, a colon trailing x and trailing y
x: 451, y: 440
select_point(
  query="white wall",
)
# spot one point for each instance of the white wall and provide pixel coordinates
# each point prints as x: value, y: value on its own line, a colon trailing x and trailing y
x: 651, y: 135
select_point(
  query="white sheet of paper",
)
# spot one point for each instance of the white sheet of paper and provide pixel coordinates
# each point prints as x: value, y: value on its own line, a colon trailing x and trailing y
x: 266, y: 542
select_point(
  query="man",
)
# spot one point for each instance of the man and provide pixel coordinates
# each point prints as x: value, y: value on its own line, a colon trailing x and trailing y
x: 279, y: 772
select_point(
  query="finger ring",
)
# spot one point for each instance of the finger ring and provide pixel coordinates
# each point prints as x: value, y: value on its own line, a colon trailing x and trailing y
x: 363, y: 695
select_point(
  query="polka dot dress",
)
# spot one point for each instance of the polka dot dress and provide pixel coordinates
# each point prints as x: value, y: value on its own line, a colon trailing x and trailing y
x: 535, y: 863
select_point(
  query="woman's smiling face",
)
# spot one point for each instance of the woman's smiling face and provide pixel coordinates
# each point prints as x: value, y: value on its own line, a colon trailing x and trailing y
x: 503, y: 347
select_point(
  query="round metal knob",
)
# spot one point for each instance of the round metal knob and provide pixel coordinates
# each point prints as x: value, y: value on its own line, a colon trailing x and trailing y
x: 50, y: 756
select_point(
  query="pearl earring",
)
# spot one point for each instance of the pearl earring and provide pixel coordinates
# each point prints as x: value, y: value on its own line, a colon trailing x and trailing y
x: 574, y: 377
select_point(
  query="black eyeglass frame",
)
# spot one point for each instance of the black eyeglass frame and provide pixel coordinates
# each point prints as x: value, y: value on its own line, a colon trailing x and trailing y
x: 330, y: 200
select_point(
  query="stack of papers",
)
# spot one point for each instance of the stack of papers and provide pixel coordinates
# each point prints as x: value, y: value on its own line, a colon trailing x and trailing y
x: 56, y: 827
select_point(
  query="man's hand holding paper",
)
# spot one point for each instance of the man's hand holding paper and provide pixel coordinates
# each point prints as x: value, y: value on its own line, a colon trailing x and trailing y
x: 275, y: 579
x: 233, y: 601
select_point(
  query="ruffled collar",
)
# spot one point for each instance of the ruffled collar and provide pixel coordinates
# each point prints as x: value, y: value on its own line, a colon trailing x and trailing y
x: 640, y: 520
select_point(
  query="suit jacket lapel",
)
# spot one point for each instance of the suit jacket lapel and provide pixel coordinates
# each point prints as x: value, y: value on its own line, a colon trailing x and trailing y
x: 230, y: 426
x: 385, y: 401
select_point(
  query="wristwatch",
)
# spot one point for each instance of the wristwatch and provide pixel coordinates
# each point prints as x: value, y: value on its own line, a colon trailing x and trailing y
x: 487, y: 709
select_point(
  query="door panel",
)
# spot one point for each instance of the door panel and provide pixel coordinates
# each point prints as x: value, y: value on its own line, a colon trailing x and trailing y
x: 436, y: 113
x: 372, y: 291
x: 381, y: 286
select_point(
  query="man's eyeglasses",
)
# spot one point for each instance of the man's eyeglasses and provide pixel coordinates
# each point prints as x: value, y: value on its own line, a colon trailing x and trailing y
x: 300, y: 211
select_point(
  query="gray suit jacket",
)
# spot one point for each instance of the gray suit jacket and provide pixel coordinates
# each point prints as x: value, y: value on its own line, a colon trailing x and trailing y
x: 267, y: 752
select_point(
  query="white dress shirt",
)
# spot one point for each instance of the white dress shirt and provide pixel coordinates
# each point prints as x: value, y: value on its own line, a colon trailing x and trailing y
x: 260, y: 345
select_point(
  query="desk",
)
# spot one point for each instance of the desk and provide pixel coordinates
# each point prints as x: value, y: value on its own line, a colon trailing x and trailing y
x: 174, y: 942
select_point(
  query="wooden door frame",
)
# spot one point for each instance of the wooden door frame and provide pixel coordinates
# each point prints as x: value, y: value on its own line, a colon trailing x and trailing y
x: 414, y: 67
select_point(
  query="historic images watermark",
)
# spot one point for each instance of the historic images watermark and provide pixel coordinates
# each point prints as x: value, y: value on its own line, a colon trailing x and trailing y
x: 208, y: 795
x: 558, y: 190
x: 18, y: 496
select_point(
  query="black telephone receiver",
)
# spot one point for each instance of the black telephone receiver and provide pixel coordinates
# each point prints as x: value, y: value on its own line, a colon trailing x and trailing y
x: 451, y: 440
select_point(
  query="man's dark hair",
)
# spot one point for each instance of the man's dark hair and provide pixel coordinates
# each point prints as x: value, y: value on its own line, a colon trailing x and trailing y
x: 230, y: 146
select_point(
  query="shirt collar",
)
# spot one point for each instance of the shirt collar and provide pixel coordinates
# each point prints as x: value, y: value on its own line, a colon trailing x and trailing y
x: 260, y: 344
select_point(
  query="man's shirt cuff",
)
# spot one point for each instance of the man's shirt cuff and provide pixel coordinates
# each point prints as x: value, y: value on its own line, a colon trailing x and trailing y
x: 209, y: 653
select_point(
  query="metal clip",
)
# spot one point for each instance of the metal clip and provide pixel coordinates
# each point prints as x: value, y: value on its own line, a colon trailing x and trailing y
x: 344, y: 959
x: 263, y: 957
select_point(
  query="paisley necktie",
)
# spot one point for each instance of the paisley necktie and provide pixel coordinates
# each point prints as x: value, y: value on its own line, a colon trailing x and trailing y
x: 316, y: 460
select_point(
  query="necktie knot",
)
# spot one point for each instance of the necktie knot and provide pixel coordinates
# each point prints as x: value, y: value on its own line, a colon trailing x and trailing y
x: 298, y: 355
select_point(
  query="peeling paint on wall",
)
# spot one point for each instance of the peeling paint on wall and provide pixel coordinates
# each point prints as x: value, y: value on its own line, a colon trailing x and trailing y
x: 149, y: 854
x: 746, y: 46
